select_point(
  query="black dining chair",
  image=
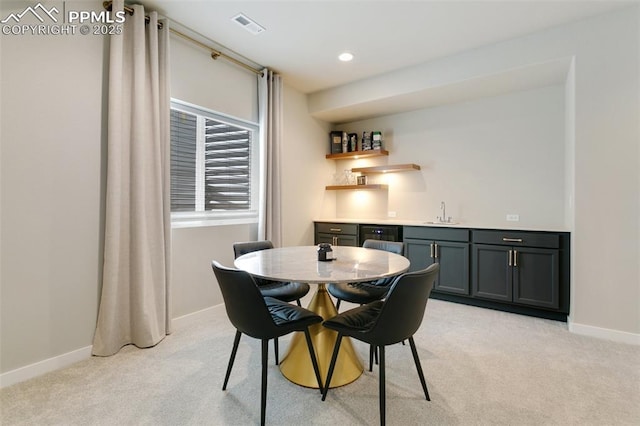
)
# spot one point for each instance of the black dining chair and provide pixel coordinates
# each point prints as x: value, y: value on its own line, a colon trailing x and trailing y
x: 369, y: 291
x: 281, y: 290
x: 386, y: 322
x: 262, y: 318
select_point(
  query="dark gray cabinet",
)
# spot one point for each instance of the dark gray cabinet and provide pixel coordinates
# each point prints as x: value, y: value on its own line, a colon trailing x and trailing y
x: 447, y: 246
x: 337, y: 234
x: 516, y: 267
x: 526, y: 272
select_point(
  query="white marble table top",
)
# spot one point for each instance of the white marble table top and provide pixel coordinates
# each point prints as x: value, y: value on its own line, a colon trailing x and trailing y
x: 351, y: 264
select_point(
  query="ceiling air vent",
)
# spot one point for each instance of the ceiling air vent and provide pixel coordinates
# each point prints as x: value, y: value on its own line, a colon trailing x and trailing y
x: 248, y: 24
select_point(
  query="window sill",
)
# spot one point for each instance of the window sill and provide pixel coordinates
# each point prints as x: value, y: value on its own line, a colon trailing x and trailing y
x: 198, y: 222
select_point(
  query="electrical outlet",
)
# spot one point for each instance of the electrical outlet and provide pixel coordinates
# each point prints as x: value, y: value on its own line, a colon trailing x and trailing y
x: 513, y: 217
x: 391, y: 214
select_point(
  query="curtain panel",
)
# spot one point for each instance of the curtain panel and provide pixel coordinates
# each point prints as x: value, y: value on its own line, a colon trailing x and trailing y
x: 270, y: 111
x: 134, y: 305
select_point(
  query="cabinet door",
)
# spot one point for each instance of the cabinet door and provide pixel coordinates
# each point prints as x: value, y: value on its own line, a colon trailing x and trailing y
x: 347, y: 240
x: 324, y: 238
x: 337, y: 240
x: 491, y: 277
x: 454, y: 267
x: 418, y: 252
x: 536, y: 277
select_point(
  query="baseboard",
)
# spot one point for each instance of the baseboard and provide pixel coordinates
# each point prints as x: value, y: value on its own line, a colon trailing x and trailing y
x: 194, y: 316
x: 604, y: 333
x: 45, y: 366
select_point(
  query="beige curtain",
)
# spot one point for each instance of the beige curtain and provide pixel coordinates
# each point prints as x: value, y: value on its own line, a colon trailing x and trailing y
x: 270, y: 108
x: 134, y: 307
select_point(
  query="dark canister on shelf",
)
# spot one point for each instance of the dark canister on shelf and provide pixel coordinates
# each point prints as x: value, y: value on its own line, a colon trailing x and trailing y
x: 325, y: 252
x: 335, y: 143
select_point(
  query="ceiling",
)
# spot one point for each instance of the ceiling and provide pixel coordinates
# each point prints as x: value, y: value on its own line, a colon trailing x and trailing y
x: 303, y: 38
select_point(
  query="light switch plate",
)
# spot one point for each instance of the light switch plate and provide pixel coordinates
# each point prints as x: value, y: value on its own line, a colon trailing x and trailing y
x: 513, y: 217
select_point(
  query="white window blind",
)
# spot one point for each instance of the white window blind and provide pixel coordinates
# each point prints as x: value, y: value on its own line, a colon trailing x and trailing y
x: 183, y: 161
x: 213, y: 164
x: 227, y: 166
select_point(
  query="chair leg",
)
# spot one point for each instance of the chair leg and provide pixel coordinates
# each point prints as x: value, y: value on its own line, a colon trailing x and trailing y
x: 298, y: 302
x: 419, y: 367
x: 314, y: 360
x: 332, y: 365
x: 372, y: 348
x: 383, y: 396
x: 236, y: 341
x: 275, y: 350
x: 263, y: 395
x: 373, y: 353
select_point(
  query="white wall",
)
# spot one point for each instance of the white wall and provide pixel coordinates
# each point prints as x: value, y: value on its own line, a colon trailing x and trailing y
x: 215, y: 84
x: 485, y: 159
x: 303, y: 195
x: 52, y: 118
x: 193, y: 285
x: 603, y: 107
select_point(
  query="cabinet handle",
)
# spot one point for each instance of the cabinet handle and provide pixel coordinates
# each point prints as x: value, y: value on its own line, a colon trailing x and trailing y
x: 336, y: 230
x: 512, y: 240
x: 334, y: 240
x: 515, y: 258
x: 510, y: 257
x: 436, y: 250
x: 431, y: 247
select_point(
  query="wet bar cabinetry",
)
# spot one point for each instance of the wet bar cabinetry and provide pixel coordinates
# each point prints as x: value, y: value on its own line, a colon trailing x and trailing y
x: 449, y: 247
x: 523, y: 268
x: 526, y: 272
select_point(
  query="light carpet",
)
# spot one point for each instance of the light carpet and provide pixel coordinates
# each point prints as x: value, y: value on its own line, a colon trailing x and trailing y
x: 483, y: 367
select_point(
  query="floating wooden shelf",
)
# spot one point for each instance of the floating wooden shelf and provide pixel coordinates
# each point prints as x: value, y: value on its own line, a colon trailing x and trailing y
x: 388, y: 168
x: 357, y: 154
x: 372, y: 186
x: 367, y: 170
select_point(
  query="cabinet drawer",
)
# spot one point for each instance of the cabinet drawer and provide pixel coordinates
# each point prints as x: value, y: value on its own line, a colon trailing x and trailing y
x: 337, y: 228
x: 433, y: 233
x: 516, y: 238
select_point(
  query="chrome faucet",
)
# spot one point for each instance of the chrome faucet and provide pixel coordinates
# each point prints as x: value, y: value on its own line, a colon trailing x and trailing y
x: 444, y: 217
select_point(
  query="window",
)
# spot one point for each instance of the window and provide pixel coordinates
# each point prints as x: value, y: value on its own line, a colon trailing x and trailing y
x: 214, y: 166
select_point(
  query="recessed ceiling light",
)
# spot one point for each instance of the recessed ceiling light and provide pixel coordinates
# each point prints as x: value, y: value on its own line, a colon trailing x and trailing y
x: 345, y: 57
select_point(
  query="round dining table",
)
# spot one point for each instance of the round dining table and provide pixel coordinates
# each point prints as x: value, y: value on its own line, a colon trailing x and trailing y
x: 301, y: 264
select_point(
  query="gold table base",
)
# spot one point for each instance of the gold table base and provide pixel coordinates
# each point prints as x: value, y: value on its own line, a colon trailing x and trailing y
x: 296, y: 364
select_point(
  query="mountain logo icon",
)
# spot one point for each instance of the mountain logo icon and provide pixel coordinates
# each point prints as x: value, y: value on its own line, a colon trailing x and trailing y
x: 38, y: 11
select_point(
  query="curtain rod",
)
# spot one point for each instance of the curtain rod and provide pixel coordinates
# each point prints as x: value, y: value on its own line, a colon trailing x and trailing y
x: 215, y: 54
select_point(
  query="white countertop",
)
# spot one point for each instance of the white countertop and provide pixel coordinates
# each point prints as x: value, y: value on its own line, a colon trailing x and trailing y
x: 408, y: 222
